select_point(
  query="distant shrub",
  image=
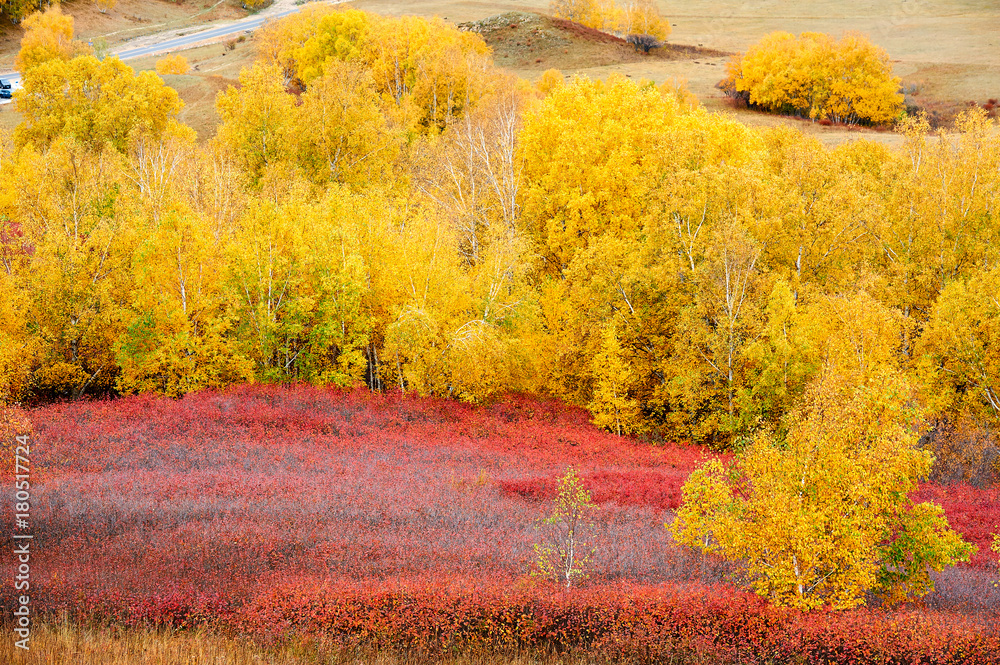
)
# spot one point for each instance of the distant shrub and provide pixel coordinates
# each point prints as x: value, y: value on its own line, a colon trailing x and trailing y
x: 848, y: 81
x: 643, y: 42
x: 550, y: 80
x: 639, y: 18
x: 172, y: 64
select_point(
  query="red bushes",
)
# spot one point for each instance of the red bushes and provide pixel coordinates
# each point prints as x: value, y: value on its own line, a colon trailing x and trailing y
x: 631, y: 487
x: 649, y: 624
x: 211, y: 508
x: 973, y: 512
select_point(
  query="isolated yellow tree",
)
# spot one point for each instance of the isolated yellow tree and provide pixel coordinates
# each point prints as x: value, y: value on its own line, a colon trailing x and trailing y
x: 172, y: 64
x: 821, y: 515
x: 642, y: 17
x: 104, y: 5
x: 549, y: 81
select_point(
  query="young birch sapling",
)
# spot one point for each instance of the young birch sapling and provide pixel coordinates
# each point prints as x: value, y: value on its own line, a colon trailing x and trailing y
x: 565, y: 556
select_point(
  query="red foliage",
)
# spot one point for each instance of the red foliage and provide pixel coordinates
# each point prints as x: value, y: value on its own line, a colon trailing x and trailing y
x: 973, y: 512
x: 227, y: 507
x: 648, y: 623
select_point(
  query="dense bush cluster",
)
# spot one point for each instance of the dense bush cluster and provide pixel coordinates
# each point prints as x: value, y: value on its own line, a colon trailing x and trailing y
x: 848, y: 81
x: 636, y: 624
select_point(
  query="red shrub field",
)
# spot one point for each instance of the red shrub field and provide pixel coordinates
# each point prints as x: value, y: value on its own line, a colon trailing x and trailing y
x: 303, y: 513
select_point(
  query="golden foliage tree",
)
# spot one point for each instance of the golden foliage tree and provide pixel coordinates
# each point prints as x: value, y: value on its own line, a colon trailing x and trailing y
x: 846, y: 81
x: 48, y: 35
x: 70, y: 205
x: 172, y: 64
x: 257, y: 120
x: 94, y: 102
x: 821, y: 515
x: 961, y: 346
x: 628, y: 17
x: 175, y: 341
x: 344, y: 136
x: 642, y: 17
x: 612, y: 407
x: 429, y: 70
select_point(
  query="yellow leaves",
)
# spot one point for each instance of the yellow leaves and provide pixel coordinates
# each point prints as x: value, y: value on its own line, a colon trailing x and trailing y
x: 95, y: 102
x: 72, y: 211
x: 629, y: 17
x: 295, y: 284
x: 584, y: 12
x: 705, y: 499
x: 429, y: 71
x: 857, y: 333
x: 550, y: 81
x: 847, y: 81
x: 962, y: 345
x: 612, y: 407
x: 343, y: 135
x: 822, y: 516
x: 586, y: 154
x: 642, y: 17
x: 48, y: 35
x: 339, y: 35
x: 172, y: 64
x: 176, y: 339
x: 256, y: 119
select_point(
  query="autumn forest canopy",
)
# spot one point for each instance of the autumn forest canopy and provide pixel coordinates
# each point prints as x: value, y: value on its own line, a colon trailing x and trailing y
x: 382, y: 206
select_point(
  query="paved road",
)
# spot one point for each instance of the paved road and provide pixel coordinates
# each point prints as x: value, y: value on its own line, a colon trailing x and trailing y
x: 180, y: 43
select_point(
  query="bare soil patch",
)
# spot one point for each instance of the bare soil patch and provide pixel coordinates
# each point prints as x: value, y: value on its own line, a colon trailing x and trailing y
x: 528, y: 42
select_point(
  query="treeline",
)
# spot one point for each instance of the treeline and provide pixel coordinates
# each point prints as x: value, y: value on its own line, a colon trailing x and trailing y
x: 382, y: 205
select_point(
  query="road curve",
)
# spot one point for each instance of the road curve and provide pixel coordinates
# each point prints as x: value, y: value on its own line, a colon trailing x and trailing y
x: 180, y: 43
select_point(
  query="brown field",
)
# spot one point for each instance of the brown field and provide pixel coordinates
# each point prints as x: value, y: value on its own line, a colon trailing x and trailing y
x: 949, y: 50
x: 63, y: 642
x: 946, y: 51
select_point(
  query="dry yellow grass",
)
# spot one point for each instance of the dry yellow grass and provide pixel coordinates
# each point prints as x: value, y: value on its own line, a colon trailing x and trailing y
x: 59, y: 643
